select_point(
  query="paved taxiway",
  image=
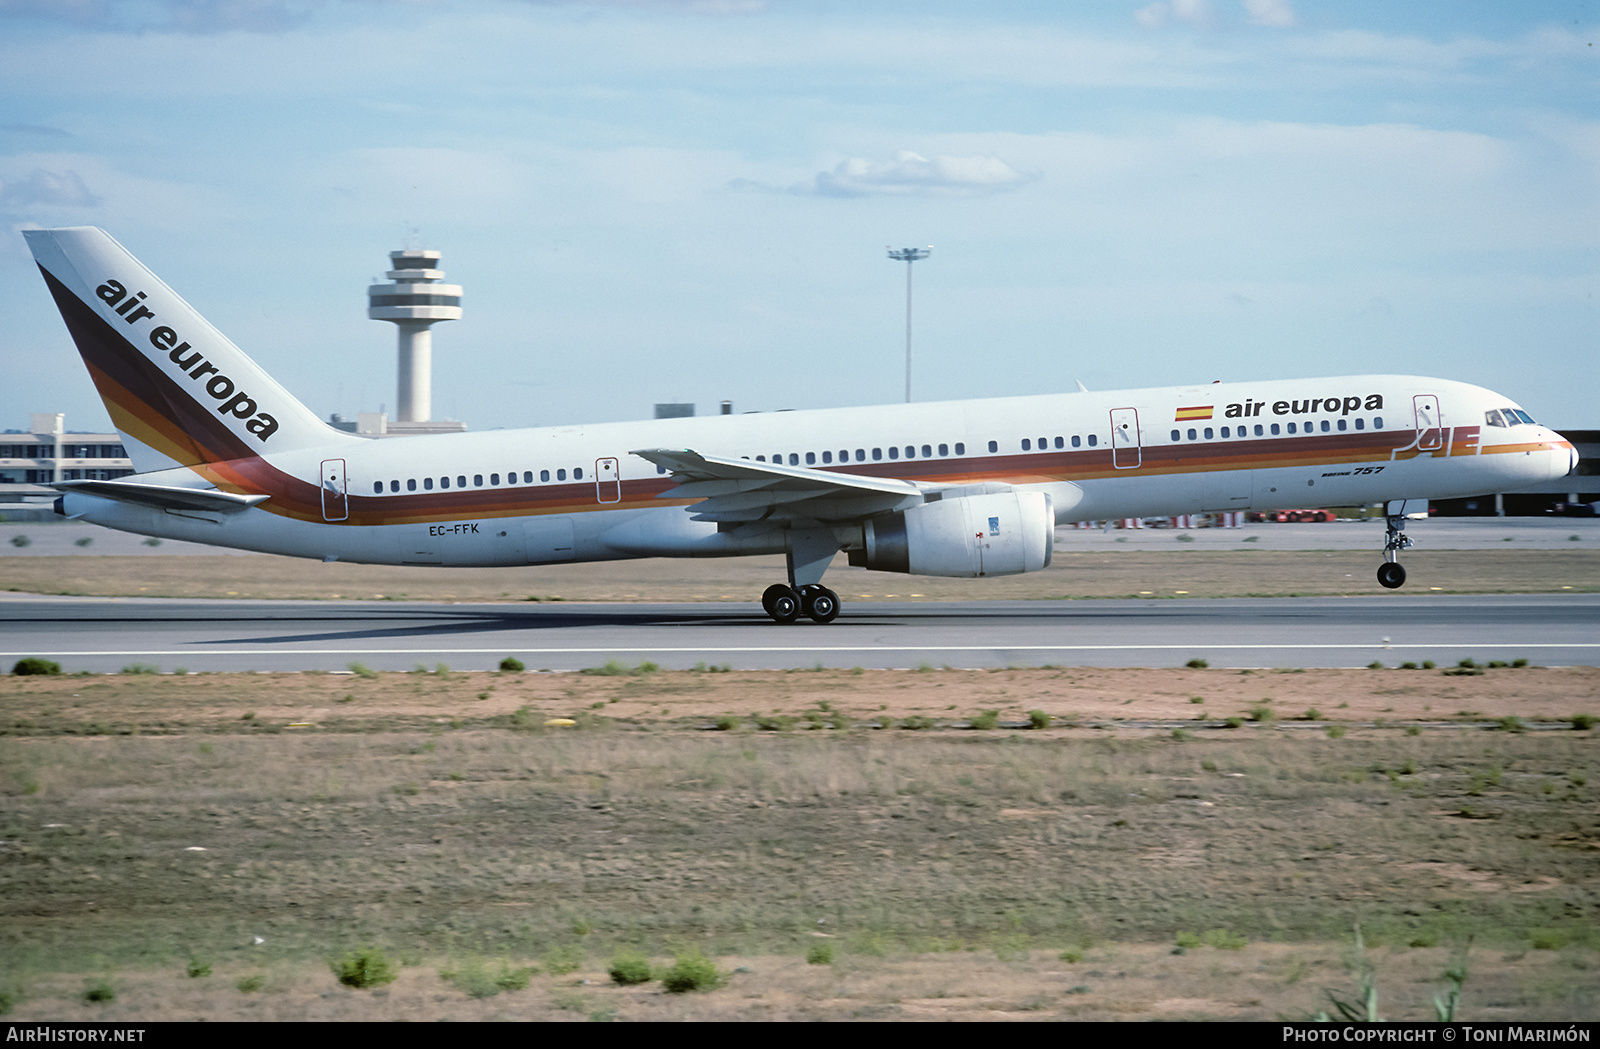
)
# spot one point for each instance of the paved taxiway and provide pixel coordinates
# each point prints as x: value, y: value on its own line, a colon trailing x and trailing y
x: 106, y: 634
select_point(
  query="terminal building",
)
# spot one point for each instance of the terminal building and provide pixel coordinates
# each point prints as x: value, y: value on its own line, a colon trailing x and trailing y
x: 48, y: 452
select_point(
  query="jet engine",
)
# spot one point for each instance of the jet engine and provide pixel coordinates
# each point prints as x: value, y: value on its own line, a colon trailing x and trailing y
x: 979, y: 535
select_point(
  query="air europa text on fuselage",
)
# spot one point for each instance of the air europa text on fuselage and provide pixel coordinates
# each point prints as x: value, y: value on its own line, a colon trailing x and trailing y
x: 1311, y: 406
x: 233, y: 401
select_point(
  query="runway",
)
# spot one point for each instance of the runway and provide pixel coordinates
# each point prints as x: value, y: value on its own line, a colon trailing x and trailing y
x: 107, y: 634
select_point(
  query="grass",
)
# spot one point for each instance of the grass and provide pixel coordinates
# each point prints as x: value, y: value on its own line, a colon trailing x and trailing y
x: 364, y: 968
x: 659, y: 836
x: 691, y: 971
x: 629, y: 967
x: 820, y: 954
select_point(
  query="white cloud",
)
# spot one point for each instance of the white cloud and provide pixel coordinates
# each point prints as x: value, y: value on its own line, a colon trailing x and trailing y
x: 1278, y: 14
x: 43, y: 187
x: 185, y: 16
x: 1162, y: 12
x: 911, y: 173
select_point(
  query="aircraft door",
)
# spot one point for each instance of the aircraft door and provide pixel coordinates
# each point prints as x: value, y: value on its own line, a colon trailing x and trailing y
x: 1126, y: 452
x: 1430, y: 425
x: 335, y: 505
x: 607, y: 481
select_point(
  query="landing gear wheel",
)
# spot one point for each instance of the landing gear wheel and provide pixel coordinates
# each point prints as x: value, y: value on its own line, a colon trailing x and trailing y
x: 819, y: 603
x: 1391, y: 574
x: 781, y: 602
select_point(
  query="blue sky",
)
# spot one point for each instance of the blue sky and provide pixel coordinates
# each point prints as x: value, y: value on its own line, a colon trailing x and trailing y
x: 658, y: 201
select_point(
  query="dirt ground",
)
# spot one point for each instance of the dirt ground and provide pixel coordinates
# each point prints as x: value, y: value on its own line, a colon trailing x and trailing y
x: 1243, y: 572
x: 1139, y: 858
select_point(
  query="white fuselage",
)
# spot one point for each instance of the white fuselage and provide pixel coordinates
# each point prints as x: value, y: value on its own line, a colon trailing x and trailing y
x: 575, y: 493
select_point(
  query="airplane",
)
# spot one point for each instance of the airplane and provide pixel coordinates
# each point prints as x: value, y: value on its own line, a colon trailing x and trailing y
x: 226, y: 456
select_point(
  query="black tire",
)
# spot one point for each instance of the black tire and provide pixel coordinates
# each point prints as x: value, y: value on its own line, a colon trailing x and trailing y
x: 1391, y: 574
x: 773, y: 591
x: 784, y: 605
x: 822, y: 605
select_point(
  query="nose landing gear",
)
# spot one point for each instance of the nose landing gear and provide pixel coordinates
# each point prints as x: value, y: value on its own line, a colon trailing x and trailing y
x: 1391, y: 574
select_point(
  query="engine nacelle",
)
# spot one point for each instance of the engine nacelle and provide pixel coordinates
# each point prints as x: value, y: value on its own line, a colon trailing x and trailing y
x: 978, y: 535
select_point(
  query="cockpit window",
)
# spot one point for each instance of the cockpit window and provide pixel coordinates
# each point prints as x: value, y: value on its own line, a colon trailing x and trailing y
x: 1492, y: 417
x: 1524, y: 416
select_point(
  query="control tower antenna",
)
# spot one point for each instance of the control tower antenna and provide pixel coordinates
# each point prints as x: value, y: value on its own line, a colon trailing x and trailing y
x: 414, y: 302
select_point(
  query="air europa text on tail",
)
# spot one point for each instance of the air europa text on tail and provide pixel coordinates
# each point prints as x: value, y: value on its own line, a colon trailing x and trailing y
x: 231, y: 400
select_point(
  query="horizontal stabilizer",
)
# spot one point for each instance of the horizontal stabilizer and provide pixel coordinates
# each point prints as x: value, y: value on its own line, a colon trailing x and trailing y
x: 164, y: 497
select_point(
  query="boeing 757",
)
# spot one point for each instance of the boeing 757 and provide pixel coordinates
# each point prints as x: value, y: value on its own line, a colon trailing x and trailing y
x: 224, y: 455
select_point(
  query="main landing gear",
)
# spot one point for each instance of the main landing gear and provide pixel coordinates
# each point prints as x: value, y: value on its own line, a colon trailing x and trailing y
x: 1391, y: 574
x: 785, y: 603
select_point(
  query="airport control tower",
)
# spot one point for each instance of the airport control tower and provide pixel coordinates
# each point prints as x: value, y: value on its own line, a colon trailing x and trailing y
x: 414, y: 302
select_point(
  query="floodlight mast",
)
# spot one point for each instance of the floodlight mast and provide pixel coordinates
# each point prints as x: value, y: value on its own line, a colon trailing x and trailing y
x: 908, y: 256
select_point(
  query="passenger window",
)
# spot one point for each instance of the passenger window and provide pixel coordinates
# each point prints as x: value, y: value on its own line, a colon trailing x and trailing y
x: 1027, y: 446
x: 444, y: 482
x: 1259, y: 432
x: 1342, y: 424
x: 411, y: 484
x: 811, y: 458
x: 561, y: 475
x: 961, y: 448
x: 911, y: 451
x: 477, y: 480
x: 1078, y: 441
x: 827, y: 457
x: 877, y: 453
x: 1208, y: 433
x: 1044, y: 443
x: 861, y: 455
x: 1361, y: 424
x: 1291, y: 427
x: 494, y: 478
x: 844, y: 455
x: 527, y: 476
x: 544, y: 475
x: 377, y: 487
x: 794, y: 459
x: 1193, y: 434
x: 944, y: 449
x: 577, y: 474
x: 994, y: 446
x: 1224, y: 431
x: 761, y: 458
x: 1377, y: 422
x: 427, y: 483
x: 894, y: 453
x: 1176, y: 435
x: 1275, y: 429
x: 660, y: 469
x: 1093, y: 440
x: 926, y: 451
x: 394, y: 486
x: 1325, y: 426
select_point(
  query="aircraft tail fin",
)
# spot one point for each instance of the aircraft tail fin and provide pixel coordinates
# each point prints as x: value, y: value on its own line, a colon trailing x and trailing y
x: 178, y: 390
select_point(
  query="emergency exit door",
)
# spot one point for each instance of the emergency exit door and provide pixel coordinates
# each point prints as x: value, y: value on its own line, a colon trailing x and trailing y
x: 1126, y: 452
x: 607, y: 481
x: 335, y: 504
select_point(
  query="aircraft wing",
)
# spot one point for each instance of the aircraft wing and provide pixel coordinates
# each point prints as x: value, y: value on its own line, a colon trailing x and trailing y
x: 739, y: 490
x: 164, y: 497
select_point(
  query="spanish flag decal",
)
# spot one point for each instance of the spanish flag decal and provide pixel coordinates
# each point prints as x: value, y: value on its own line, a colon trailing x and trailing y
x: 1191, y: 414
